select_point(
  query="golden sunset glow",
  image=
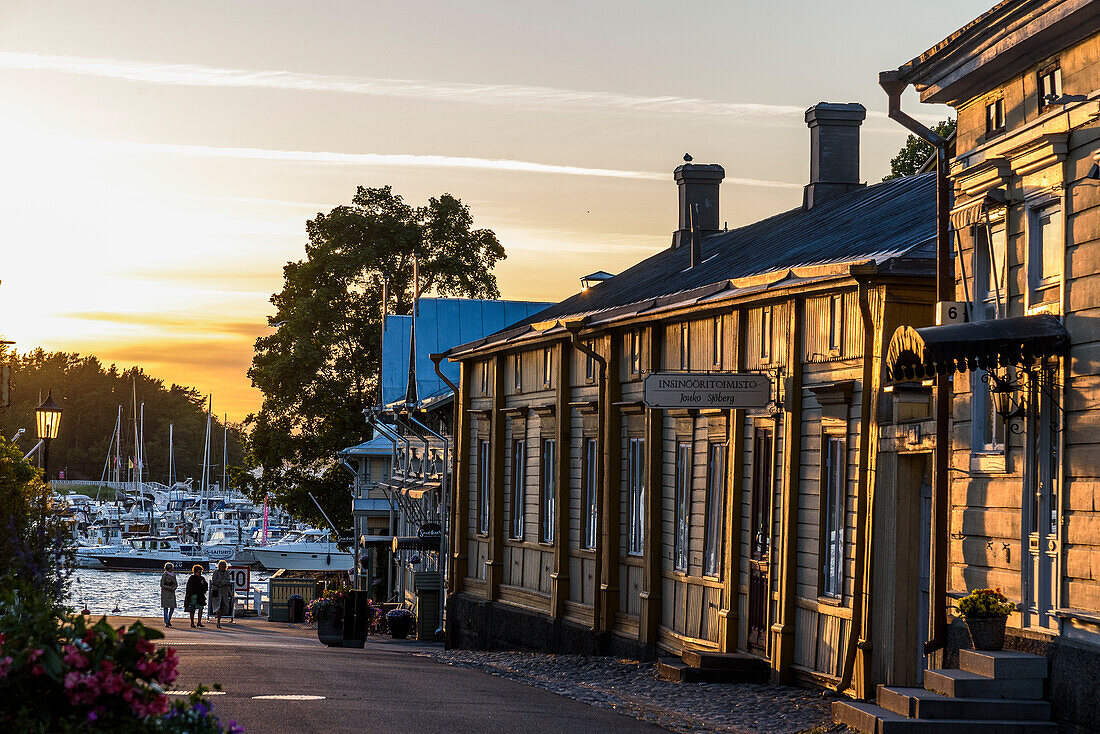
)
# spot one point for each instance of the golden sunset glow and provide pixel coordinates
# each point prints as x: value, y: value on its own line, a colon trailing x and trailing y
x: 159, y: 161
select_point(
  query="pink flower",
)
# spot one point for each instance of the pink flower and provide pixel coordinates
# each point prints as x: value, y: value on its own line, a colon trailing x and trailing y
x: 71, y: 680
x: 5, y: 665
x: 74, y: 658
x: 35, y: 654
x: 38, y: 670
x: 145, y: 647
x: 3, y: 638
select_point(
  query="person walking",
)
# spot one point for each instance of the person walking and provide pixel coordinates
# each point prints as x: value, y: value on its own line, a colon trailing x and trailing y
x: 168, y: 586
x: 221, y: 592
x: 195, y: 594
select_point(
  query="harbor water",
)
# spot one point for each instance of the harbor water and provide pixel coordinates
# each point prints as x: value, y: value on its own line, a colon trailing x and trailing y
x: 133, y: 593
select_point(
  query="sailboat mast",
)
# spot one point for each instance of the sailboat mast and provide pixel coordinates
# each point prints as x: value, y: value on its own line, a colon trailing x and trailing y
x: 171, y: 459
x: 225, y: 457
x: 206, y: 458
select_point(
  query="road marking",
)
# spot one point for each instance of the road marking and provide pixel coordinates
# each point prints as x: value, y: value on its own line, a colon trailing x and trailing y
x: 289, y: 697
x: 188, y: 693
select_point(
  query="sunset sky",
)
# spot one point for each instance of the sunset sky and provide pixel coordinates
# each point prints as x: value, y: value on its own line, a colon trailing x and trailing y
x: 159, y: 160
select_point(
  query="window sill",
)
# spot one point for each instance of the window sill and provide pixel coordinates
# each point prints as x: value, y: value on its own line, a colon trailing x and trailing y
x: 988, y: 462
x: 832, y: 601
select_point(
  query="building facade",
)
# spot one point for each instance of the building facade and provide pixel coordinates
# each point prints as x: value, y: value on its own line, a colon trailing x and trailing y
x: 584, y: 520
x: 1022, y: 502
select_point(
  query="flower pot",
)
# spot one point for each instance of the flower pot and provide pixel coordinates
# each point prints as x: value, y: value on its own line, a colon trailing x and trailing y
x: 400, y: 627
x: 330, y: 631
x: 987, y: 633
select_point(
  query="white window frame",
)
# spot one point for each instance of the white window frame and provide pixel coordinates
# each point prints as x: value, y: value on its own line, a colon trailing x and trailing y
x: 990, y: 262
x: 590, y: 364
x: 484, y: 486
x: 715, y: 520
x: 547, y: 488
x: 682, y: 519
x: 635, y: 545
x: 517, y: 371
x: 485, y: 377
x: 635, y: 352
x: 519, y: 482
x: 766, y: 334
x: 836, y: 325
x: 590, y: 511
x: 547, y: 366
x: 716, y: 341
x: 833, y: 505
x: 1039, y: 283
x: 685, y: 346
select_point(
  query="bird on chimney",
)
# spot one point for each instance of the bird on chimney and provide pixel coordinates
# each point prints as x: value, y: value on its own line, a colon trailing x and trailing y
x: 687, y: 158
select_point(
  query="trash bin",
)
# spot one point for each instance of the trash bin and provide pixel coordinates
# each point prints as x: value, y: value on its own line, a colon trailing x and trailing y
x: 297, y: 607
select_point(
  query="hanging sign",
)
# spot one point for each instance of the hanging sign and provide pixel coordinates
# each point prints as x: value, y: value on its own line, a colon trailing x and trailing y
x: 707, y: 390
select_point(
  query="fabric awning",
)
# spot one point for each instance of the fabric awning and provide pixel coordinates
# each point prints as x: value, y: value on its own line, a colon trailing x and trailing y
x: 974, y: 210
x: 918, y: 354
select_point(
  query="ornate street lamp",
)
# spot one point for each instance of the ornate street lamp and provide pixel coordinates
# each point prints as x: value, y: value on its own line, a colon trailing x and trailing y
x: 48, y: 420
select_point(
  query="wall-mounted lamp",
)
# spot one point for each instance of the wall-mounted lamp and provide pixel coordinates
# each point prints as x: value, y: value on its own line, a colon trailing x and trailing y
x: 1094, y: 172
x: 1008, y: 400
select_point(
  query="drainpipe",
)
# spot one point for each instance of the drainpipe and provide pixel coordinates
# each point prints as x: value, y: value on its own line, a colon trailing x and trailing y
x: 443, y: 489
x: 574, y: 328
x: 861, y: 584
x: 893, y: 84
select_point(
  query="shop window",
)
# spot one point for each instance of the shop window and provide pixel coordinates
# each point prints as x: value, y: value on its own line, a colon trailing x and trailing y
x: 636, y: 504
x: 716, y: 492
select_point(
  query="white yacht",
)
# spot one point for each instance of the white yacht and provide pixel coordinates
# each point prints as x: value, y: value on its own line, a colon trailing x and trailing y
x: 150, y: 553
x: 304, y: 550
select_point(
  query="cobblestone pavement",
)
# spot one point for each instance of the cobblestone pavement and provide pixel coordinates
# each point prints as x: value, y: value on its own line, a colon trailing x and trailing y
x: 633, y: 688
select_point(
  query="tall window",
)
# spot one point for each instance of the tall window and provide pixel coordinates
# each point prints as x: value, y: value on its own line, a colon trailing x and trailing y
x: 832, y: 525
x: 1046, y: 252
x: 716, y: 492
x: 591, y: 462
x: 483, y: 486
x: 589, y: 365
x: 1049, y: 85
x: 716, y: 341
x: 995, y: 117
x: 836, y: 324
x: 766, y: 333
x: 547, y: 366
x: 517, y: 371
x: 636, y: 507
x: 546, y: 491
x: 683, y: 505
x: 990, y: 302
x: 685, y: 345
x: 519, y: 479
x: 761, y: 493
x: 635, y: 352
x: 485, y: 377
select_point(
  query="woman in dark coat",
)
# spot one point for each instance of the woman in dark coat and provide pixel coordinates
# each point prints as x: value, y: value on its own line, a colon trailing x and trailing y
x: 168, y: 593
x: 195, y: 594
x: 221, y: 592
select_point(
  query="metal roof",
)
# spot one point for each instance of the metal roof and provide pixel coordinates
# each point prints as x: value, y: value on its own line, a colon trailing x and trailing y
x: 887, y: 220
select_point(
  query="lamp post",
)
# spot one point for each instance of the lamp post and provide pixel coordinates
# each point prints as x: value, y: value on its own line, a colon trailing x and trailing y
x: 48, y: 420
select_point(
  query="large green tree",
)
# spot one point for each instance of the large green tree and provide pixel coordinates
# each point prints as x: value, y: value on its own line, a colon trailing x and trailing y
x: 916, y: 152
x: 319, y: 369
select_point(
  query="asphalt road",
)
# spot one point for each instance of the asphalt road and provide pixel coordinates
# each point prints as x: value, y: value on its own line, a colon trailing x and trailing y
x: 385, y: 687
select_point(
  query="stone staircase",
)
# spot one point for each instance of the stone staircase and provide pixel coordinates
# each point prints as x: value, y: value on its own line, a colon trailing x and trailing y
x: 994, y: 692
x: 694, y: 666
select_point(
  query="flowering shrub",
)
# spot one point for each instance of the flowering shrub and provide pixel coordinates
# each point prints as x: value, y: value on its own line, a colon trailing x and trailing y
x: 195, y: 716
x: 985, y: 603
x: 399, y: 614
x: 329, y: 605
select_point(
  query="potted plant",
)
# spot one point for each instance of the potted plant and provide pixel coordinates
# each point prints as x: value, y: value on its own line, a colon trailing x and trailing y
x: 327, y: 612
x: 985, y: 612
x: 400, y: 622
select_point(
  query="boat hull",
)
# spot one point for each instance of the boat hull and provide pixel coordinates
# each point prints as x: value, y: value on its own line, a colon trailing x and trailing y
x: 275, y: 558
x: 147, y: 563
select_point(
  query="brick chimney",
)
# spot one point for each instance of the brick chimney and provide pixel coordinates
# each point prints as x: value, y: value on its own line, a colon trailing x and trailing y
x: 834, y: 151
x: 698, y: 186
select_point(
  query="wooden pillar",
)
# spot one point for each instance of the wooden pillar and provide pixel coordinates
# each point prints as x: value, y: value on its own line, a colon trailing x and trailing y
x: 612, y: 489
x: 559, y: 577
x: 650, y: 594
x: 460, y: 509
x: 494, y: 560
x: 729, y: 614
x: 783, y: 631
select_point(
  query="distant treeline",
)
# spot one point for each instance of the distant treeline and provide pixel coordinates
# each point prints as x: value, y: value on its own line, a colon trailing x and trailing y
x: 90, y: 395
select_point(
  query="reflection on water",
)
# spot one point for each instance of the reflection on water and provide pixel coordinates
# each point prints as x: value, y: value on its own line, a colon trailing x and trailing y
x: 134, y: 593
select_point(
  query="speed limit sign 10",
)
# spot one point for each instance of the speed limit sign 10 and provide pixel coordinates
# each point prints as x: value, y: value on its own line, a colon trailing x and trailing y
x: 950, y: 312
x: 242, y: 578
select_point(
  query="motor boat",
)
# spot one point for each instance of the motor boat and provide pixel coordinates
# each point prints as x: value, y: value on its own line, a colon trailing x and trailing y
x: 151, y: 552
x: 304, y: 550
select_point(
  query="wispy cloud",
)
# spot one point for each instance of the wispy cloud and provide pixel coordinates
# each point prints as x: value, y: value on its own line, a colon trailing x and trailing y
x: 394, y: 159
x: 512, y: 95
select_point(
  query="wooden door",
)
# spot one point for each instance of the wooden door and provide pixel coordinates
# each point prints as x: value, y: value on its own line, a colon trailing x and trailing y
x: 1042, y: 507
x: 760, y: 540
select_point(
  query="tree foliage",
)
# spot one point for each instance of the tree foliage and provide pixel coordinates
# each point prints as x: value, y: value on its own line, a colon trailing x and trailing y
x: 916, y: 152
x: 91, y: 394
x: 320, y: 368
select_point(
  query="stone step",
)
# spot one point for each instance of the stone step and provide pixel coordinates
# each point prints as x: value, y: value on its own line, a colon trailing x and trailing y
x: 1003, y: 664
x: 724, y: 661
x: 917, y: 703
x: 872, y: 719
x: 964, y: 684
x: 673, y: 669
